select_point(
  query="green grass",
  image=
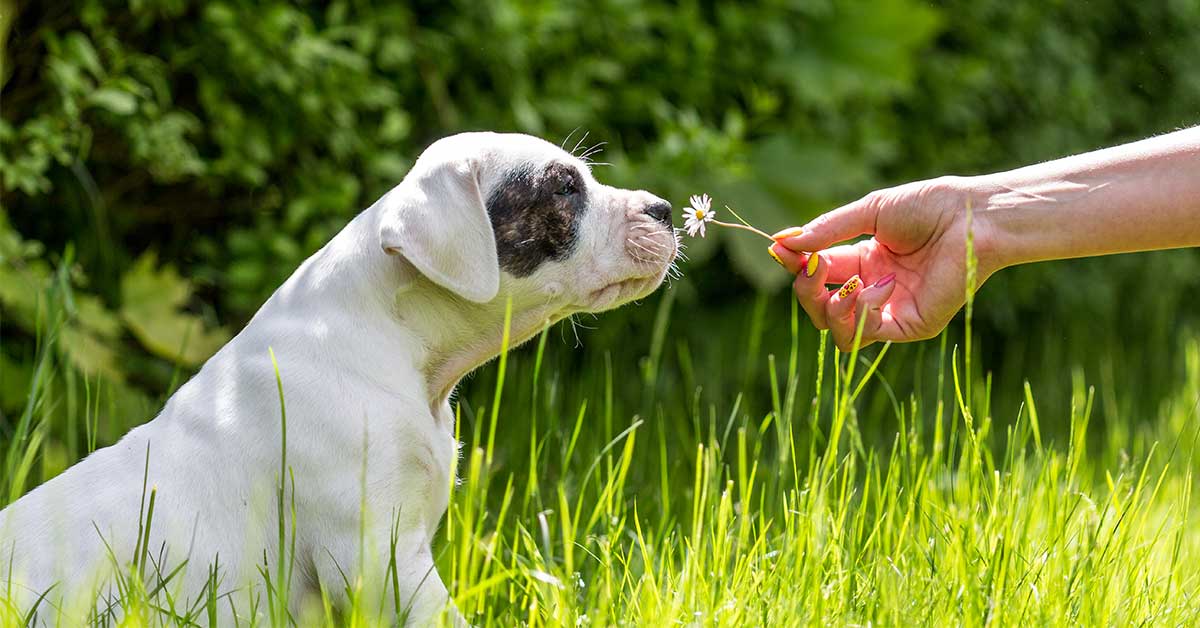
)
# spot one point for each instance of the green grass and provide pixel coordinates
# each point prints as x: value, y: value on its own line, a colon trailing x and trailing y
x: 787, y: 516
x: 735, y: 470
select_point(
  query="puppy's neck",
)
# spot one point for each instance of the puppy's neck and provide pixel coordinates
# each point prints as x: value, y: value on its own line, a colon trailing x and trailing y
x: 441, y: 336
x: 459, y: 336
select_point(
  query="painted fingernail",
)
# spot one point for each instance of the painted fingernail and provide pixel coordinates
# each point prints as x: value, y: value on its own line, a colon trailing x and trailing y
x: 790, y: 232
x: 775, y: 256
x: 810, y: 269
x: 849, y: 287
x: 885, y: 281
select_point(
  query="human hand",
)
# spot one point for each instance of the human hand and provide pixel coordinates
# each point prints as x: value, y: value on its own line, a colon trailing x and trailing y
x: 908, y: 280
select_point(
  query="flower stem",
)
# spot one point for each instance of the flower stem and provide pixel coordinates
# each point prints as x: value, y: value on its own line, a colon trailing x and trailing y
x: 743, y: 228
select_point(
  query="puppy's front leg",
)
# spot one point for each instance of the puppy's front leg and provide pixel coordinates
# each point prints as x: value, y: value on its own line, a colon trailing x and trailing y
x: 424, y: 600
x: 407, y: 563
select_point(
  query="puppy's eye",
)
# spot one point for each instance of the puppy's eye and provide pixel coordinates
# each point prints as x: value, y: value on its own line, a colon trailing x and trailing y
x: 568, y: 188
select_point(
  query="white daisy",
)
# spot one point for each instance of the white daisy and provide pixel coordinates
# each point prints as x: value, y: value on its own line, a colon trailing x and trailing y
x: 698, y: 214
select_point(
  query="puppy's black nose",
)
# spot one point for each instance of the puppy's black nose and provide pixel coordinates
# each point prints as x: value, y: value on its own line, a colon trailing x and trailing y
x: 660, y: 211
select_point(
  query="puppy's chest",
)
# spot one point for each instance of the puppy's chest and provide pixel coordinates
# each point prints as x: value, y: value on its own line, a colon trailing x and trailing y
x: 414, y: 476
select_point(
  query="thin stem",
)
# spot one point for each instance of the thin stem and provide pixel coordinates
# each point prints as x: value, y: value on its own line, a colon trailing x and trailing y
x: 738, y: 216
x: 743, y: 228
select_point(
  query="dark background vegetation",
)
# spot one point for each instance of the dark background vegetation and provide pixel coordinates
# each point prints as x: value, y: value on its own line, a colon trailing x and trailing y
x: 165, y: 164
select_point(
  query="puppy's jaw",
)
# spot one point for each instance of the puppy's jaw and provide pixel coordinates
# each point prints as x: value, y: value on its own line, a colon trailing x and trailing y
x: 616, y: 294
x: 640, y: 256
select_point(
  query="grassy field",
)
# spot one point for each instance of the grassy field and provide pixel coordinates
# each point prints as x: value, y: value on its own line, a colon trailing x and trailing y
x: 736, y: 470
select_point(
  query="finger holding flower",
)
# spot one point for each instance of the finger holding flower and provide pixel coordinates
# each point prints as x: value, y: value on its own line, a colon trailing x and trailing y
x: 912, y: 269
x: 864, y: 274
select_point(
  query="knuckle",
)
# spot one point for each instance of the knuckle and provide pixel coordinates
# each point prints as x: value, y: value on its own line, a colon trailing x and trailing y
x: 876, y: 199
x: 936, y: 191
x: 818, y: 224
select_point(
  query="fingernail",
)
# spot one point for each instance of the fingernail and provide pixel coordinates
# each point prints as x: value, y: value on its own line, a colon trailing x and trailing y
x: 810, y: 269
x: 774, y: 255
x: 885, y: 281
x: 850, y: 287
x: 790, y: 232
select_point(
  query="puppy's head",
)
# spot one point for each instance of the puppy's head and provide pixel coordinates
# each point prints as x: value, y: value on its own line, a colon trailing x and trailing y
x: 487, y: 215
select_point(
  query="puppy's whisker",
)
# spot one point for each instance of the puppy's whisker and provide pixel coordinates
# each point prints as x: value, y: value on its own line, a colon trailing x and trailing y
x: 595, y: 149
x: 647, y: 239
x: 643, y: 247
x: 575, y: 331
x: 580, y: 142
x: 566, y: 139
x: 648, y: 256
x: 644, y: 241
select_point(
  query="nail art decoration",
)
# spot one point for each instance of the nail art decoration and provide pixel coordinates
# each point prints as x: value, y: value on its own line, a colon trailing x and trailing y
x: 850, y: 287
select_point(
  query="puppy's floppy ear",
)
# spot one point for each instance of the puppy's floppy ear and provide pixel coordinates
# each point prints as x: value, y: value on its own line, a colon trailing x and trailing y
x: 436, y: 219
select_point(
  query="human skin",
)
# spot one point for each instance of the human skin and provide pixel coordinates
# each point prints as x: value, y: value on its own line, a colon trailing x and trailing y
x: 910, y: 277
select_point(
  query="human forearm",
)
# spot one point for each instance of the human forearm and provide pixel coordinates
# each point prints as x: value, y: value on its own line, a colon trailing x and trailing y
x: 1139, y: 196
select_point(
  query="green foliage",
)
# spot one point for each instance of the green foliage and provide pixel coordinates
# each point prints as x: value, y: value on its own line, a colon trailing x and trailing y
x: 286, y: 120
x: 151, y: 302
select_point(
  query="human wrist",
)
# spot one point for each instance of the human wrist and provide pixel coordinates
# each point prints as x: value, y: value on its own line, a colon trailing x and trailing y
x: 1013, y: 218
x: 992, y: 247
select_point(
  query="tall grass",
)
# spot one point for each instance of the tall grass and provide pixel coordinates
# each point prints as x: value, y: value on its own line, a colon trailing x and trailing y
x: 733, y: 478
x: 954, y: 521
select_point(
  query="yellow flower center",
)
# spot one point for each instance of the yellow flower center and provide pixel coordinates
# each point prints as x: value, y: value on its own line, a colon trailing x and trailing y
x: 699, y: 214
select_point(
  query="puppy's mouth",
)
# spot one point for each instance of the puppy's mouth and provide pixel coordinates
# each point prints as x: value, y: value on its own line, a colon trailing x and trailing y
x: 650, y: 250
x: 620, y: 292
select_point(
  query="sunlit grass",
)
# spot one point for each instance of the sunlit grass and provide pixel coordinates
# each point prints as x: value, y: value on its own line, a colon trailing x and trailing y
x: 614, y: 491
x: 935, y: 529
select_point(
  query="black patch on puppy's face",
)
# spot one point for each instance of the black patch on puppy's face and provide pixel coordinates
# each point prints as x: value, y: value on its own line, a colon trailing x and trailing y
x: 535, y: 216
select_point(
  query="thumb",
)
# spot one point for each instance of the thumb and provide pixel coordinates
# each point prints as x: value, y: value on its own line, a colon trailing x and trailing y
x: 843, y: 223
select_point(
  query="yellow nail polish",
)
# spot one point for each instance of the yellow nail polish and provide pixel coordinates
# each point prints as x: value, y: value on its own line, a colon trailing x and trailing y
x: 811, y: 268
x: 850, y: 286
x: 790, y: 232
x: 775, y: 256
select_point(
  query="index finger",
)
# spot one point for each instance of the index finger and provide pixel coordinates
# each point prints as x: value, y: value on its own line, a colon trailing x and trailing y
x: 846, y: 222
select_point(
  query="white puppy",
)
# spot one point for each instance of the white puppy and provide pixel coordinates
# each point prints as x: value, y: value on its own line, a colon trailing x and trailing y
x: 371, y: 334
